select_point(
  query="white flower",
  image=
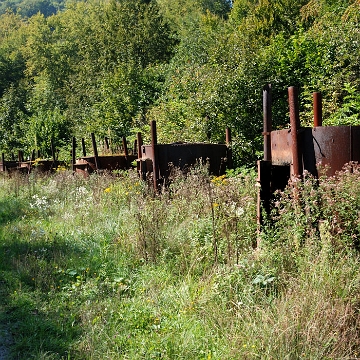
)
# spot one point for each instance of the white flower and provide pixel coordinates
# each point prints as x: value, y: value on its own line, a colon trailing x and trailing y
x: 239, y: 211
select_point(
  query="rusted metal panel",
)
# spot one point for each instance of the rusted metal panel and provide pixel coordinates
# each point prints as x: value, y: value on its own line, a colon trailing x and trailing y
x: 334, y: 146
x: 29, y: 166
x: 8, y: 165
x: 185, y: 155
x: 281, y: 147
x: 331, y: 146
x: 87, y: 165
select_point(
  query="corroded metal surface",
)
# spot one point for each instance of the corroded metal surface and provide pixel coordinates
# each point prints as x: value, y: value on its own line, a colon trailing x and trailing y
x: 281, y: 144
x: 330, y: 146
x: 28, y: 166
x: 267, y: 118
x: 87, y: 165
x: 317, y: 106
x: 186, y: 155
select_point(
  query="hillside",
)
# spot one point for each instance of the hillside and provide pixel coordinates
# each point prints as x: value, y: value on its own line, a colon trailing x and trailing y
x: 28, y: 8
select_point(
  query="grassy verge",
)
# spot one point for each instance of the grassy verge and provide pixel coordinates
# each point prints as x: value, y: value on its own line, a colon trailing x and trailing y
x: 100, y: 268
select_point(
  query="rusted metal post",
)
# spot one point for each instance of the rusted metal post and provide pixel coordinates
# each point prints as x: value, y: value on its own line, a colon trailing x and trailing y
x: 228, y: 136
x: 73, y: 153
x: 32, y: 159
x: 126, y: 151
x: 155, y: 159
x: 19, y: 158
x: 317, y: 105
x: 139, y: 144
x: 264, y: 166
x: 124, y: 142
x: 264, y: 192
x: 53, y: 150
x: 83, y: 147
x: 267, y: 114
x: 229, y: 150
x: 142, y: 164
x: 96, y: 156
x: 135, y: 147
x: 295, y: 126
x: 3, y: 162
x: 106, y: 141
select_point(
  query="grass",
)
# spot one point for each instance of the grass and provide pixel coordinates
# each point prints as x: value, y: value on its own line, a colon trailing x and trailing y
x: 100, y: 268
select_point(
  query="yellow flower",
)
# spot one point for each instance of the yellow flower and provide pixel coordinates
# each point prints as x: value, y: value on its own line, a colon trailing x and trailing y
x: 107, y: 190
x: 219, y: 180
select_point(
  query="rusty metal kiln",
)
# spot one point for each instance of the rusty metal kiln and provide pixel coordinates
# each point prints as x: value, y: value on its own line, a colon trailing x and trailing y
x: 290, y: 152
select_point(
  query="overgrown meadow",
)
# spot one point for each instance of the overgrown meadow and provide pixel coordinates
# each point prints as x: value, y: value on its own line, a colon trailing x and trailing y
x: 103, y: 268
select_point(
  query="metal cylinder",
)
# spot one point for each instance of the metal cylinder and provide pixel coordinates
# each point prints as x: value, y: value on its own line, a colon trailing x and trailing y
x: 96, y: 156
x: 317, y: 106
x: 141, y: 163
x: 73, y: 153
x: 107, y: 146
x: 53, y: 151
x: 229, y: 163
x: 20, y: 157
x: 126, y: 152
x: 154, y: 160
x: 295, y: 126
x: 228, y: 136
x: 139, y: 144
x: 83, y: 147
x: 267, y: 114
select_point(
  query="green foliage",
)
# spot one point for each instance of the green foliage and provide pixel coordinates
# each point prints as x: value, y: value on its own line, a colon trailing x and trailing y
x: 28, y: 8
x: 13, y: 115
x: 349, y: 112
x: 195, y: 66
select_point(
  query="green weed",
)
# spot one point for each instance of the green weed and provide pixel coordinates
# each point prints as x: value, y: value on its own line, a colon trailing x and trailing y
x: 102, y: 268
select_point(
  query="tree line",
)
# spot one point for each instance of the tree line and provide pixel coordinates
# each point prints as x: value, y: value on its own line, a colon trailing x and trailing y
x: 194, y: 66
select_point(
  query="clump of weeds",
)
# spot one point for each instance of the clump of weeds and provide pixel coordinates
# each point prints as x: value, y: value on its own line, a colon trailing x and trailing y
x: 105, y: 268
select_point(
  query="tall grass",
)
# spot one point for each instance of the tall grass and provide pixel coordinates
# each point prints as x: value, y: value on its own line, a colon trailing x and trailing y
x: 102, y: 268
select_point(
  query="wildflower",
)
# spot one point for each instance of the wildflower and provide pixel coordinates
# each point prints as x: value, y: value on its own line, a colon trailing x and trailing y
x: 239, y: 211
x: 219, y: 180
x: 107, y: 190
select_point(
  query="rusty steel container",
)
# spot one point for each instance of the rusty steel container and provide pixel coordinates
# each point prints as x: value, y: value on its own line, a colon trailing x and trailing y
x: 331, y: 147
x: 29, y: 166
x: 87, y: 165
x: 186, y: 155
x: 8, y: 165
x: 320, y: 150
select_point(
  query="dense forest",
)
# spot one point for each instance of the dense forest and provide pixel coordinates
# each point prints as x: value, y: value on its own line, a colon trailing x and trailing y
x: 194, y: 66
